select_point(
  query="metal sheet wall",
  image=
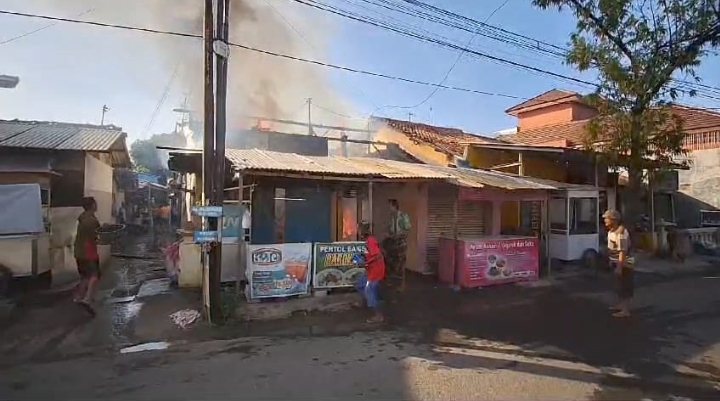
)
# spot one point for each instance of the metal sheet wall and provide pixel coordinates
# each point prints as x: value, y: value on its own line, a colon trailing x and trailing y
x: 471, y: 218
x: 440, y: 219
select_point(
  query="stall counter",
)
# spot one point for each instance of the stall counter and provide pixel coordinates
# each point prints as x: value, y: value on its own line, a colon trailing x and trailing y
x: 488, y: 260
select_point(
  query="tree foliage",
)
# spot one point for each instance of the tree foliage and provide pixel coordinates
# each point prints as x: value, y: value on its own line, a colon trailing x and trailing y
x: 638, y: 47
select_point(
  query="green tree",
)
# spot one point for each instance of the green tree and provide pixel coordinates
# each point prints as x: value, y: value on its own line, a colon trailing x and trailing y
x: 637, y: 47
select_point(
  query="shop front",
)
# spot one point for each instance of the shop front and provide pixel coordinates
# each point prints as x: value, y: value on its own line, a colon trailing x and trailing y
x: 479, y: 250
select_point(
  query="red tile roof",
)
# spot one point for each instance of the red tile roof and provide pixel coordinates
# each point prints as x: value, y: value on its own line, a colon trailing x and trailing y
x: 551, y: 96
x: 694, y: 120
x: 447, y: 140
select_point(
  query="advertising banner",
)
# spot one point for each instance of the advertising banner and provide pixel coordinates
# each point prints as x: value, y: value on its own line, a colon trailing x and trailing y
x: 336, y: 264
x: 497, y: 261
x: 279, y: 270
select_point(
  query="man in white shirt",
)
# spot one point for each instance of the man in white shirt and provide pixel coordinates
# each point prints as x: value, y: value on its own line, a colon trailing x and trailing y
x: 618, y: 241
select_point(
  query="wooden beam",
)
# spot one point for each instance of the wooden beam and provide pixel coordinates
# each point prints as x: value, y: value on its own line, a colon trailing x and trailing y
x: 506, y: 165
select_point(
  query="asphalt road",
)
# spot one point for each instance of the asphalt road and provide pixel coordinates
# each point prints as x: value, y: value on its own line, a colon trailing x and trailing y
x: 510, y: 343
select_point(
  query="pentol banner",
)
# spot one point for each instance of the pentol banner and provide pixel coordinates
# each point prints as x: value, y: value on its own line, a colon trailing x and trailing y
x: 336, y: 264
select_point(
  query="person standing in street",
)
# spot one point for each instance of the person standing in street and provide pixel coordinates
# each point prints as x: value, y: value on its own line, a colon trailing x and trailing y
x: 622, y: 263
x: 368, y: 284
x: 86, y: 255
x: 398, y: 229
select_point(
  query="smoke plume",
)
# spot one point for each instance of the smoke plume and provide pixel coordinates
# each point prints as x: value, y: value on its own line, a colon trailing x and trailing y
x: 259, y: 84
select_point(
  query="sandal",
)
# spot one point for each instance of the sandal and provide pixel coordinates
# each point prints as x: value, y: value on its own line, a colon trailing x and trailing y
x: 376, y: 319
x: 621, y: 314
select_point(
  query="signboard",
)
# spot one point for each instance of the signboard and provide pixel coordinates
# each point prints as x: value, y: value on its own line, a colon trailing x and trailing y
x: 278, y: 270
x: 200, y: 237
x: 335, y: 264
x: 207, y: 211
x: 496, y: 261
x: 231, y: 221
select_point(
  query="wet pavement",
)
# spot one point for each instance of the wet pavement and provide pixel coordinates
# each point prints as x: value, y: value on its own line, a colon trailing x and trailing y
x: 547, y: 342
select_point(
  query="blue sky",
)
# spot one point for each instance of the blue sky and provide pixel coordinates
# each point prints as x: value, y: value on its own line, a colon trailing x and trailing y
x: 69, y: 71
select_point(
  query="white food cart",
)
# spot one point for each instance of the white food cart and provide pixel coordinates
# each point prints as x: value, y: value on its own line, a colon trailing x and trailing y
x: 24, y: 231
x: 574, y: 224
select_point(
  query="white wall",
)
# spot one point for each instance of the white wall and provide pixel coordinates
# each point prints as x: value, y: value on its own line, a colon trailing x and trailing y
x: 99, y: 184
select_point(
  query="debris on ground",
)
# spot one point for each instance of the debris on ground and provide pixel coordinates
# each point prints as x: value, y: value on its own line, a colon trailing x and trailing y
x: 184, y: 318
x: 156, y: 346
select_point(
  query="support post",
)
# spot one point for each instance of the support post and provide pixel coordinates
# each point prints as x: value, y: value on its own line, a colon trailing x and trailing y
x: 210, y: 299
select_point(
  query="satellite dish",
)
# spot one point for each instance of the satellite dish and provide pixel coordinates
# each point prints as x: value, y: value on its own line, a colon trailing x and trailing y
x: 8, y: 81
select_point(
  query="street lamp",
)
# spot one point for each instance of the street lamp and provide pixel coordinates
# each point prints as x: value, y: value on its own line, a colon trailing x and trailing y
x: 8, y: 81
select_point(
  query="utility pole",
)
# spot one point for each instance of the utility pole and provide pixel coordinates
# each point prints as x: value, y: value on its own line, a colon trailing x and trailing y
x: 105, y: 109
x: 210, y: 298
x: 222, y: 51
x: 310, y: 128
x: 410, y: 116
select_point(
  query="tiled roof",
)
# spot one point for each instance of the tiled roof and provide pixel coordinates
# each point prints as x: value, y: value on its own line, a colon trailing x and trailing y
x: 58, y: 136
x: 447, y: 140
x: 694, y: 120
x: 553, y: 95
x: 255, y: 160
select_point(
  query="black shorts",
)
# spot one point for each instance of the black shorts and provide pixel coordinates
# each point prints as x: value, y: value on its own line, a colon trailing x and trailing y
x: 625, y: 283
x: 88, y: 268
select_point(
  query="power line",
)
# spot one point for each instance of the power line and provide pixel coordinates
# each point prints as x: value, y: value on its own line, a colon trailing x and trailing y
x: 448, y: 18
x: 457, y: 60
x: 266, y: 52
x: 42, y: 28
x: 307, y: 42
x: 369, y: 21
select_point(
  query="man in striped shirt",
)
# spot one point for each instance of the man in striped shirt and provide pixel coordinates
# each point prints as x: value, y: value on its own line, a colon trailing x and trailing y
x: 621, y: 261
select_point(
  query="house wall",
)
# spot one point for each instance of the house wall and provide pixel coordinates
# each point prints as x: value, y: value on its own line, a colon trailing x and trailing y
x: 554, y: 114
x: 425, y: 153
x: 699, y: 187
x: 412, y: 198
x: 25, y: 178
x: 99, y: 184
x: 533, y: 167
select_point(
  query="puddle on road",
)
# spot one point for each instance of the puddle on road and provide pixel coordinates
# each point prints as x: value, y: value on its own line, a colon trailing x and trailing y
x: 154, y: 287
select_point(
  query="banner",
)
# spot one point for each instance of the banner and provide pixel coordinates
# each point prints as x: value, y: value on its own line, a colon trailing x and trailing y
x: 336, y: 264
x: 278, y: 270
x: 231, y: 220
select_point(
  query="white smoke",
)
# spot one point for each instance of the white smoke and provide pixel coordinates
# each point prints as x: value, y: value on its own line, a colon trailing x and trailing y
x: 258, y: 84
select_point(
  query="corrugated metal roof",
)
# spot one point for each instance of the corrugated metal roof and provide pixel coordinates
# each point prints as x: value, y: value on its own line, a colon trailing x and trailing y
x: 59, y: 136
x: 263, y: 160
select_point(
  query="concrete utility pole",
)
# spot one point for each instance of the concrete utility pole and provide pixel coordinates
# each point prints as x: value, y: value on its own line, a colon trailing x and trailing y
x: 105, y: 109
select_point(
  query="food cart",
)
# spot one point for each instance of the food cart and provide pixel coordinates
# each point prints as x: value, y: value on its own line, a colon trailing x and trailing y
x: 24, y: 231
x: 574, y: 224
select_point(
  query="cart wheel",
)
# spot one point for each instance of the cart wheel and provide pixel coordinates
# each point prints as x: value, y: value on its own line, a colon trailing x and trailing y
x: 590, y: 258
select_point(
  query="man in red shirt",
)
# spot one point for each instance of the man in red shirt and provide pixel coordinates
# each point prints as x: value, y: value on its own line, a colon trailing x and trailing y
x: 86, y: 254
x: 368, y: 284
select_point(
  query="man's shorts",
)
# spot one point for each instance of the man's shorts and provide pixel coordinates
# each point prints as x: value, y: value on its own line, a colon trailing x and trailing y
x: 88, y: 268
x: 625, y: 283
x: 369, y: 289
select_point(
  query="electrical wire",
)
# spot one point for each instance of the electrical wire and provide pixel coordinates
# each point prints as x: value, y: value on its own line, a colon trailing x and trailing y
x: 42, y: 28
x: 445, y: 18
x: 262, y: 51
x: 457, y: 60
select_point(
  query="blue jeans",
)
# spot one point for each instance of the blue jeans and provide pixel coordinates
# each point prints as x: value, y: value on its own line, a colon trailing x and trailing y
x: 369, y: 290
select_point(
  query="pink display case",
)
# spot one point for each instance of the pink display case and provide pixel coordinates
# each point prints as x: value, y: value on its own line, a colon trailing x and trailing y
x: 482, y: 261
